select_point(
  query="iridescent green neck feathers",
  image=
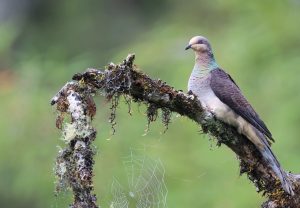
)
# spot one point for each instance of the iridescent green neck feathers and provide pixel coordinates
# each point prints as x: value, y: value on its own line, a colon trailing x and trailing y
x: 204, y: 63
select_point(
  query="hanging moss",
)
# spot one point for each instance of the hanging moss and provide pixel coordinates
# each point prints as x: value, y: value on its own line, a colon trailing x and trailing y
x: 74, y: 165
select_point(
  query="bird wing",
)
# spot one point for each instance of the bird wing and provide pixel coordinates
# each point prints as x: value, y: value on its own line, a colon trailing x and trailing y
x: 229, y: 93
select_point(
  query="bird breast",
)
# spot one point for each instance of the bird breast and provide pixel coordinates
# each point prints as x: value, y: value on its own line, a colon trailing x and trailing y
x: 200, y: 86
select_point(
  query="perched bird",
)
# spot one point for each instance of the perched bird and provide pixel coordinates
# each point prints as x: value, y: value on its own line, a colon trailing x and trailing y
x: 219, y: 94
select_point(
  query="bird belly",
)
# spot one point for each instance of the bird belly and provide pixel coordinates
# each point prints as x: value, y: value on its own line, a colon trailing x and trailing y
x: 222, y: 111
x: 209, y: 101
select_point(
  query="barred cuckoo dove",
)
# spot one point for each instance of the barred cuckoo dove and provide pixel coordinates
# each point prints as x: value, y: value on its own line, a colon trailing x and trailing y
x: 219, y: 94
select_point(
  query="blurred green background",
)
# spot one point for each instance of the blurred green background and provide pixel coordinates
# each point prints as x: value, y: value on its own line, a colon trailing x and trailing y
x: 43, y: 43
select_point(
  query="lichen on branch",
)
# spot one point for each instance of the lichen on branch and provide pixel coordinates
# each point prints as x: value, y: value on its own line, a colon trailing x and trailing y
x: 75, y: 162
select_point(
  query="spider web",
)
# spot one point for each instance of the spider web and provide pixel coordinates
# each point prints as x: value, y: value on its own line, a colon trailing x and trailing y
x: 146, y: 185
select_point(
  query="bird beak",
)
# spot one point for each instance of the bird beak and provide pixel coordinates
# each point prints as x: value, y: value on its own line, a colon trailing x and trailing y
x: 188, y: 47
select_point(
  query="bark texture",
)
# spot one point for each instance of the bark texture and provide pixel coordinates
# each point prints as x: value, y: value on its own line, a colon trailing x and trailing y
x: 74, y: 164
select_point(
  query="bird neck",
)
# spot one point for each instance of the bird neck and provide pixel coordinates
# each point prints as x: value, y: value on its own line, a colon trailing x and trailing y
x: 204, y: 63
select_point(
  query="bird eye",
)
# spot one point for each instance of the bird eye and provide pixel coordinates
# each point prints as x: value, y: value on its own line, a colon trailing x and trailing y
x: 200, y: 42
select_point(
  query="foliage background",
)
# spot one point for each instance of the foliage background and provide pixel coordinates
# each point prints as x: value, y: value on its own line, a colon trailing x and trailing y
x: 43, y: 43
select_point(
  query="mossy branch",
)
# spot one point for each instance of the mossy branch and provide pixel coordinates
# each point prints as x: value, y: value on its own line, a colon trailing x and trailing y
x: 75, y: 162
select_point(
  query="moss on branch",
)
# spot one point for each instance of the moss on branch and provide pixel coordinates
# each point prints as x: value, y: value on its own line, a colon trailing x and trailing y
x: 125, y: 79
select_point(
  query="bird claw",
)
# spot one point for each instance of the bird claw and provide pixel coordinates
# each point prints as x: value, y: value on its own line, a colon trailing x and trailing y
x: 207, y: 116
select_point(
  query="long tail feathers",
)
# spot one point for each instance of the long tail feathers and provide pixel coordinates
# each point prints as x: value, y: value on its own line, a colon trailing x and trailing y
x: 273, y: 162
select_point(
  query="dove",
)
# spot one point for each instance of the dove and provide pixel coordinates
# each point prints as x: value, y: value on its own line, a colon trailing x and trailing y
x: 219, y: 94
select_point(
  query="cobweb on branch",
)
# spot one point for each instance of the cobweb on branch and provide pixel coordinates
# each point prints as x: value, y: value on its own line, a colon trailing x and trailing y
x: 146, y: 185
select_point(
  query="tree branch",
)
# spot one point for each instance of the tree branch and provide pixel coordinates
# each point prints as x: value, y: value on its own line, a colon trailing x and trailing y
x: 125, y: 79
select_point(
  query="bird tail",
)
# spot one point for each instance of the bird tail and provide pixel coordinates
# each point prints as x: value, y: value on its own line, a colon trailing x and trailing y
x: 269, y: 156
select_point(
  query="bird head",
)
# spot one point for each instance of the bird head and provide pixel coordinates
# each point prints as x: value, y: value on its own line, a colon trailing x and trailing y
x: 199, y: 44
